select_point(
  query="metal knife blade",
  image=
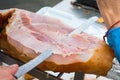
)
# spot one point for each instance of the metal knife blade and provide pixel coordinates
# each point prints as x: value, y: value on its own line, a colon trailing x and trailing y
x: 33, y: 63
x: 84, y: 25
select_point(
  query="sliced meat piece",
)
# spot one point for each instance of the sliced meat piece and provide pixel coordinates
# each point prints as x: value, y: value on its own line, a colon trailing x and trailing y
x: 27, y: 34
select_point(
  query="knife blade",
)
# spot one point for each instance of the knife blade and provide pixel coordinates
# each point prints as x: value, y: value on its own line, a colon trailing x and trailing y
x: 32, y: 63
x: 84, y: 25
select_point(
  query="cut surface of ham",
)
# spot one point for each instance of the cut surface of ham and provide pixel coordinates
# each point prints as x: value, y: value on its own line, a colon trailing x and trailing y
x: 26, y: 34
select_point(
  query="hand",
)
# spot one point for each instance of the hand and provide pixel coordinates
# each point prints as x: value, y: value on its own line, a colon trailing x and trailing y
x: 110, y: 11
x: 7, y: 72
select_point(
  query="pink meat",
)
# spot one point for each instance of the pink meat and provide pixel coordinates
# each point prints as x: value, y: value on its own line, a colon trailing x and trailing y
x: 38, y: 33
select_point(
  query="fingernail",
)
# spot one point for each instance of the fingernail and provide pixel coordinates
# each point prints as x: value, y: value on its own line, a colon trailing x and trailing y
x: 13, y: 66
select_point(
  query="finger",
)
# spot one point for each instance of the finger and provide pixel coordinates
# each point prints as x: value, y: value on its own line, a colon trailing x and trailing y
x: 14, y: 78
x: 12, y: 69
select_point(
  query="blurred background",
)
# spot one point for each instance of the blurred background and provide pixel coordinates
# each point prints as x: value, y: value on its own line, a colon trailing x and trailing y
x: 31, y: 5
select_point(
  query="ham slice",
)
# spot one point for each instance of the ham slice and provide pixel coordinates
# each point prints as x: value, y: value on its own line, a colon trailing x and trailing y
x: 26, y: 34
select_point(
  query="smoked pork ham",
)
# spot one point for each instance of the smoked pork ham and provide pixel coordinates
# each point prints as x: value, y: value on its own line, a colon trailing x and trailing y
x: 26, y: 34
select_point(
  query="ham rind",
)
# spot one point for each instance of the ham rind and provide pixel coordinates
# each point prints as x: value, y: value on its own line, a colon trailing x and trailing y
x: 25, y: 35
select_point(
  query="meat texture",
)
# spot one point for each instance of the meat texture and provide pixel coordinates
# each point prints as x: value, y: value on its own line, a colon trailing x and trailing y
x: 26, y: 34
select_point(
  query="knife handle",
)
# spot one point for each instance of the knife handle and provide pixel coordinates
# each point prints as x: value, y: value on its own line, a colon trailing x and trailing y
x: 15, y: 77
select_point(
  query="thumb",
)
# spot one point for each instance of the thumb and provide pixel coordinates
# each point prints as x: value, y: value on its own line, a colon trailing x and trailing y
x: 12, y: 68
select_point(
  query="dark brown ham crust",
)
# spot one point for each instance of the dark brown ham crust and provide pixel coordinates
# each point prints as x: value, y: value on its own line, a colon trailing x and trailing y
x: 97, y: 61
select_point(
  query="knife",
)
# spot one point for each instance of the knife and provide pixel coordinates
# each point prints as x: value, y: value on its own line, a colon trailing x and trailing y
x: 84, y: 25
x: 32, y: 63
